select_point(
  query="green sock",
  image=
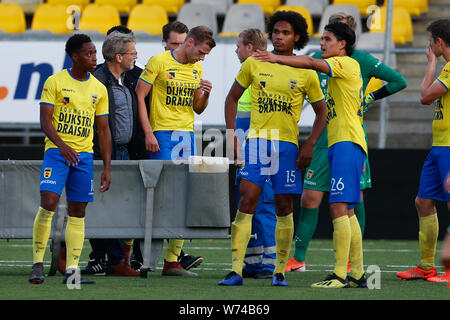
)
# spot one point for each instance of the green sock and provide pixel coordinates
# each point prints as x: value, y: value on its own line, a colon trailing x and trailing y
x: 360, y: 214
x: 306, y: 226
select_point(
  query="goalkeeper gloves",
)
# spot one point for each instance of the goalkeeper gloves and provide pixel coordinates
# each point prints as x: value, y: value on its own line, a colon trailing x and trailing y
x: 366, y: 101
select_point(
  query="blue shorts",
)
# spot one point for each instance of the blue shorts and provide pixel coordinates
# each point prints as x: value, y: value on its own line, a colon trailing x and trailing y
x: 174, y: 145
x: 346, y: 166
x: 78, y: 180
x: 434, y: 174
x: 274, y: 159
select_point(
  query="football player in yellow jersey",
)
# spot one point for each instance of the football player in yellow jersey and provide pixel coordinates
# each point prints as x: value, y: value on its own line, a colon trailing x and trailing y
x: 174, y: 80
x: 271, y: 150
x: 437, y: 164
x: 70, y: 101
x: 346, y: 143
x: 261, y: 251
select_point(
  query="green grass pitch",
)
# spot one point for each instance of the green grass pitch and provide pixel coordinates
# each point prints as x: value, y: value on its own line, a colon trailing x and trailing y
x: 389, y: 256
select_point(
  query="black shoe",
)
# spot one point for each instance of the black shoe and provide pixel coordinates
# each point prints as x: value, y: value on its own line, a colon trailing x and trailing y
x: 279, y: 280
x: 136, y: 264
x: 247, y: 274
x: 265, y: 274
x: 97, y: 267
x: 74, y: 280
x: 37, y: 274
x: 354, y: 283
x: 188, y: 262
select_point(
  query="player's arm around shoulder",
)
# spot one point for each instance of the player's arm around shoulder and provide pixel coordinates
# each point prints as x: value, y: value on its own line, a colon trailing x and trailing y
x: 301, y: 61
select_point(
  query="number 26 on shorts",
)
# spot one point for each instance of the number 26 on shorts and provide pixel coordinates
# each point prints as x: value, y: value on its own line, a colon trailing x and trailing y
x: 337, y: 186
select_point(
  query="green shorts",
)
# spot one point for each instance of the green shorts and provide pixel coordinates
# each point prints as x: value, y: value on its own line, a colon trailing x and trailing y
x: 317, y: 175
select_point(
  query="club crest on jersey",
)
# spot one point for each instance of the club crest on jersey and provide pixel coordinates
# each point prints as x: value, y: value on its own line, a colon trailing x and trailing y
x: 65, y: 100
x: 262, y: 85
x: 47, y: 173
x: 292, y: 84
x: 195, y: 74
x: 309, y: 174
x: 94, y: 98
x: 171, y: 75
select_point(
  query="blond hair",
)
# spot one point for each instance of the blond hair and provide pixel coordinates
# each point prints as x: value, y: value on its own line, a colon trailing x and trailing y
x: 255, y: 37
x: 339, y: 16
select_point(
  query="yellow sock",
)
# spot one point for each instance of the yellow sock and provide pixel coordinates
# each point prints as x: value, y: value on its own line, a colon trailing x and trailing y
x: 284, y: 231
x: 356, y: 251
x: 241, y: 229
x: 74, y: 241
x: 341, y: 243
x: 41, y: 232
x: 174, y: 249
x: 428, y: 233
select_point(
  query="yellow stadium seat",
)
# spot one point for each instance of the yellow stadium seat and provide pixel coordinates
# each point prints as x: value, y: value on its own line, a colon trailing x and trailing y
x: 147, y: 18
x: 28, y: 6
x: 414, y: 7
x: 12, y: 18
x: 123, y: 6
x: 54, y: 18
x: 305, y: 14
x: 171, y: 6
x: 362, y: 5
x: 268, y: 6
x: 80, y: 3
x: 99, y: 18
x: 402, y: 28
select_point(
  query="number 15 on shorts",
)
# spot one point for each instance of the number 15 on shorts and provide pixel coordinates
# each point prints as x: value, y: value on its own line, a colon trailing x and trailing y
x: 290, y: 176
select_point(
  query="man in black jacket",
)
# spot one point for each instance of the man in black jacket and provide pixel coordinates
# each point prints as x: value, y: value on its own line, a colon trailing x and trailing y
x: 120, y: 55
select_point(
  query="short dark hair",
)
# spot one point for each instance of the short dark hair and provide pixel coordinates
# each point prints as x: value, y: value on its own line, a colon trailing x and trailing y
x: 297, y: 22
x: 440, y: 29
x: 201, y: 34
x: 121, y: 29
x: 175, y: 26
x: 342, y: 31
x: 76, y: 42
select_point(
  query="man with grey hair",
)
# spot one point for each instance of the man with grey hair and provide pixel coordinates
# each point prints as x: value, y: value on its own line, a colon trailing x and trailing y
x: 119, y: 52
